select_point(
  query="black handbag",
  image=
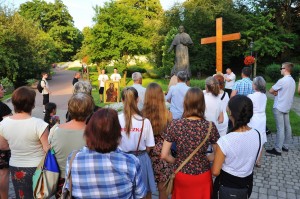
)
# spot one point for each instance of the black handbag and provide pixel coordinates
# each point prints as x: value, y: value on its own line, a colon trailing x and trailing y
x: 236, y: 193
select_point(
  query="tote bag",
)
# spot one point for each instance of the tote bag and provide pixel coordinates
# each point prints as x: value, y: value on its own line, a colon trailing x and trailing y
x: 46, y: 176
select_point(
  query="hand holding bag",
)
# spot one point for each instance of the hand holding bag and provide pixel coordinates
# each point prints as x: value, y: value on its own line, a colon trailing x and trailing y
x: 45, y: 178
x: 170, y: 182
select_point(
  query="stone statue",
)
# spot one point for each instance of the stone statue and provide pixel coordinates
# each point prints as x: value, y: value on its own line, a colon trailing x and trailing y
x: 180, y: 44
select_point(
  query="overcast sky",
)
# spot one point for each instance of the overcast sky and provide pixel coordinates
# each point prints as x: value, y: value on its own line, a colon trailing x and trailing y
x: 82, y: 10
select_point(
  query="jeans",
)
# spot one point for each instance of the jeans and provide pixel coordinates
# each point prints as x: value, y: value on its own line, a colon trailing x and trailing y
x: 284, y: 130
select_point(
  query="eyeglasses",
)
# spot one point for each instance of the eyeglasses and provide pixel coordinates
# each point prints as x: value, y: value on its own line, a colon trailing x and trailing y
x: 282, y: 68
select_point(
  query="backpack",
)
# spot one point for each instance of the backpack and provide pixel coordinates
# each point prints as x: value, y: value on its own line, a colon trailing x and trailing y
x: 39, y: 86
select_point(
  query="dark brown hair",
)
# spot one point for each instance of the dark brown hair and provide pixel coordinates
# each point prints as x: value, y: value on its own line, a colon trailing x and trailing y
x: 80, y: 106
x: 103, y: 131
x: 194, y: 103
x: 221, y: 80
x: 23, y: 99
x: 129, y: 97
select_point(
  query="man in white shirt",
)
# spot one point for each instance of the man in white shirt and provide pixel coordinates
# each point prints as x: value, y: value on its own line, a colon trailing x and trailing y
x: 229, y: 81
x: 137, y: 84
x: 46, y: 91
x: 284, y: 91
x: 115, y: 76
x: 102, y: 78
x: 176, y: 95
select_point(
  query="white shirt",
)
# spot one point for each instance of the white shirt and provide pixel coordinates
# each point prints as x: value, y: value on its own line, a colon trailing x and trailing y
x: 141, y: 91
x: 286, y: 89
x: 44, y: 84
x: 213, y: 107
x: 222, y: 128
x: 115, y: 77
x: 230, y: 84
x: 23, y: 137
x: 129, y: 143
x: 240, y: 150
x: 102, y: 78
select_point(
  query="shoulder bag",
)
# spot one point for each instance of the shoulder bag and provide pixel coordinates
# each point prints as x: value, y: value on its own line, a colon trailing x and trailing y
x: 233, y: 193
x: 170, y: 182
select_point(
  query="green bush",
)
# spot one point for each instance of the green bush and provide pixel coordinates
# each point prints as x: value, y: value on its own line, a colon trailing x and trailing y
x: 7, y: 85
x: 273, y: 72
x: 133, y: 69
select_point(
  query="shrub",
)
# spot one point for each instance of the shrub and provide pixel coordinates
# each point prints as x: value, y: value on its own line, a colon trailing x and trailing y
x: 133, y: 69
x: 273, y: 72
x: 7, y: 84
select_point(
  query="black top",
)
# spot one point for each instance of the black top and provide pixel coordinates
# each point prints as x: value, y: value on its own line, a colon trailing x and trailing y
x: 75, y: 80
x: 4, y: 110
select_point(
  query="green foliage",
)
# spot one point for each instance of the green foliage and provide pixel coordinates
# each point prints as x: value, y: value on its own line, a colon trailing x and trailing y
x: 24, y: 52
x: 54, y: 19
x: 133, y: 69
x: 273, y: 72
x: 7, y: 85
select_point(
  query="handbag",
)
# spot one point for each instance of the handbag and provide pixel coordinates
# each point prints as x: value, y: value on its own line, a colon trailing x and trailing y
x: 233, y: 193
x: 45, y: 177
x: 67, y: 193
x: 170, y: 182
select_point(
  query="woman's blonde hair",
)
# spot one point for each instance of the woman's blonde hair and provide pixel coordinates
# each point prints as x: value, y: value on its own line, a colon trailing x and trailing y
x: 194, y: 103
x: 155, y: 108
x: 129, y: 97
x: 212, y: 86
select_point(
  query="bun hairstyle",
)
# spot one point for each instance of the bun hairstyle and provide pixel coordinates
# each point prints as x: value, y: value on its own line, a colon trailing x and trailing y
x: 129, y: 97
x: 241, y: 108
x: 212, y: 85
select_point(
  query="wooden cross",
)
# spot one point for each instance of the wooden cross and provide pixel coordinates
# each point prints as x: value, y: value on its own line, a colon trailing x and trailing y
x: 219, y: 39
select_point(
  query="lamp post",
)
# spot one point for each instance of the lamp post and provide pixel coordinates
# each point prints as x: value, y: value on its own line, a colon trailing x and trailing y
x: 251, y: 45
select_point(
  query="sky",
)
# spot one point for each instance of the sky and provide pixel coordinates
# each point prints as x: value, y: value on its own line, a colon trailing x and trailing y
x: 82, y: 10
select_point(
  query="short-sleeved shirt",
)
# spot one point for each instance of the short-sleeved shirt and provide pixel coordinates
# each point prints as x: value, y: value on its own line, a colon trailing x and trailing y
x: 231, y: 76
x: 115, y: 77
x: 213, y: 107
x: 44, y: 84
x: 176, y: 95
x: 286, y: 89
x: 141, y: 91
x: 23, y: 137
x: 129, y: 142
x: 188, y: 134
x: 102, y: 78
x: 240, y: 150
x: 106, y: 175
x: 4, y: 110
x: 64, y: 141
x: 243, y: 86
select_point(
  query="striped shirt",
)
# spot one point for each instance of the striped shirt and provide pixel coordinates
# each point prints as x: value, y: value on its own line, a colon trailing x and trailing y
x: 106, y: 175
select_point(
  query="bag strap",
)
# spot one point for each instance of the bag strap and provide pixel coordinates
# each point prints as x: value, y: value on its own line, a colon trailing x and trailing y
x: 258, y: 147
x: 195, y: 151
x: 223, y: 95
x: 137, y: 148
x: 42, y: 162
x: 69, y: 177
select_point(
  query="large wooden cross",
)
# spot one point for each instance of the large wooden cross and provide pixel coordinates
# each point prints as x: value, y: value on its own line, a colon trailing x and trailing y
x: 219, y: 39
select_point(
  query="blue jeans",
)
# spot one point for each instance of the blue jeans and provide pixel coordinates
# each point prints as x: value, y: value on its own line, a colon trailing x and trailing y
x: 284, y: 130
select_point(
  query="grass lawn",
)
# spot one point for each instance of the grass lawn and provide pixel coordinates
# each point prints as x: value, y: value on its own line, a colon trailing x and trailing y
x: 294, y: 118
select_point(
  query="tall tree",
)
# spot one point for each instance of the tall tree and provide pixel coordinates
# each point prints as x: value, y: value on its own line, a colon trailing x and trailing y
x: 55, y: 19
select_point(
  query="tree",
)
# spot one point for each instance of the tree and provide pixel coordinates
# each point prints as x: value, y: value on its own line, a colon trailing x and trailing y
x: 54, y: 18
x: 24, y: 52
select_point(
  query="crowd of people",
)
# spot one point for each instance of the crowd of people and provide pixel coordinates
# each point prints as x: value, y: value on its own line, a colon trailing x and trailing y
x: 132, y: 154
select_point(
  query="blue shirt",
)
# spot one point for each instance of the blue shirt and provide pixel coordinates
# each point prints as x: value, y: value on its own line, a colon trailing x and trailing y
x: 176, y: 95
x: 243, y: 86
x: 106, y: 175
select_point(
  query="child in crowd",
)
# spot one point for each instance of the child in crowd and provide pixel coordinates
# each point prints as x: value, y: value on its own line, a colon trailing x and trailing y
x: 50, y: 116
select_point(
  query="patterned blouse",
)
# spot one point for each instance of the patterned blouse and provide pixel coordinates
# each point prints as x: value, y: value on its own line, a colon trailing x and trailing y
x: 188, y: 134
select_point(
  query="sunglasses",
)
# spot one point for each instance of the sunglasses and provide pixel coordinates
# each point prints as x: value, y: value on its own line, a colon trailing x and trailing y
x: 282, y: 68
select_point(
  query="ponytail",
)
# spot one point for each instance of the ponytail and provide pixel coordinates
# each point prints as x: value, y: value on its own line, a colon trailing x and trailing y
x: 129, y: 97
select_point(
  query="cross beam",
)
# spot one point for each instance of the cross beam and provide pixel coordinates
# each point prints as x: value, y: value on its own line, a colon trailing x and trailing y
x: 219, y: 39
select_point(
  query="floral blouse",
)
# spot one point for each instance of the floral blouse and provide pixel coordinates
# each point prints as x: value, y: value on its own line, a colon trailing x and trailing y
x: 188, y: 134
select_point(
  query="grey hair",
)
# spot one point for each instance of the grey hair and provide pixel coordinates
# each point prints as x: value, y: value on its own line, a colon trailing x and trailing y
x: 83, y: 87
x: 182, y: 75
x: 259, y: 84
x: 136, y: 76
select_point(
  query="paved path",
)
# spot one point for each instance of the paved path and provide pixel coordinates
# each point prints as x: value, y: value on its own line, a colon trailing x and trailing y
x: 278, y: 178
